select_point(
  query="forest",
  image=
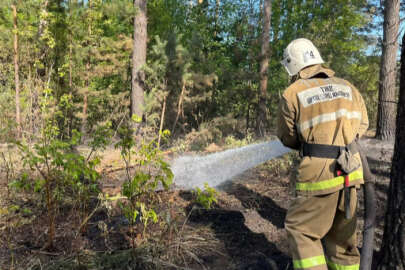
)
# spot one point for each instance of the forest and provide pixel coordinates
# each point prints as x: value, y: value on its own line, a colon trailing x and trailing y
x: 98, y: 98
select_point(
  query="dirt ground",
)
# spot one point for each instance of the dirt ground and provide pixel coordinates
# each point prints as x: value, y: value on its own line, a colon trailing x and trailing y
x: 244, y: 230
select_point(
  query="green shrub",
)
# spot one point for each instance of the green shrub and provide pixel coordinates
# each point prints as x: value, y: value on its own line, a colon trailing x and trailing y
x: 62, y: 172
x: 145, y: 170
x: 232, y: 142
x: 206, y: 197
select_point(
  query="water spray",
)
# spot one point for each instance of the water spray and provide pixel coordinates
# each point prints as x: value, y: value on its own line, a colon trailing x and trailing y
x: 216, y: 169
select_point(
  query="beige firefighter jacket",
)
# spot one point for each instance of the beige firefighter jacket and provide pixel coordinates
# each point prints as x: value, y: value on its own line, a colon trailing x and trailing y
x: 323, y: 109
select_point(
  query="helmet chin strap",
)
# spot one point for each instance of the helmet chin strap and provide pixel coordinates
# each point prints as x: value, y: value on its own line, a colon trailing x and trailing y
x: 294, y: 77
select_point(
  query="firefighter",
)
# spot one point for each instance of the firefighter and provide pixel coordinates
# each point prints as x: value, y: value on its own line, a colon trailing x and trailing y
x: 321, y: 116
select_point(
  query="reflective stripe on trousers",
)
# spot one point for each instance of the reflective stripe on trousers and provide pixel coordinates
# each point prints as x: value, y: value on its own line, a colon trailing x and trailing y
x: 335, y: 266
x: 320, y: 260
x: 330, y: 183
x: 309, y: 262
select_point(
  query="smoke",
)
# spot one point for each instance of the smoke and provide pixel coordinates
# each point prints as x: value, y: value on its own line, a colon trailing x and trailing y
x: 215, y: 169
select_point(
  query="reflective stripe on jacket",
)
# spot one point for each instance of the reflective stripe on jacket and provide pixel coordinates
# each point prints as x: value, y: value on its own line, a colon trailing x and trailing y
x: 321, y: 108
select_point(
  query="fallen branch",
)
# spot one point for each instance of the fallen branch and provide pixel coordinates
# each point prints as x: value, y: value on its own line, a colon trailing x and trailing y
x: 87, y: 219
x: 45, y: 253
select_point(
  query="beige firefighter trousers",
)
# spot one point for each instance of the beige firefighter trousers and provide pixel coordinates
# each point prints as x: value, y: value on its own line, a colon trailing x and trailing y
x: 319, y: 236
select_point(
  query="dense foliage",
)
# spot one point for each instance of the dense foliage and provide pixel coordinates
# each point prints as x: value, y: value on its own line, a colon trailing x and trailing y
x: 202, y: 59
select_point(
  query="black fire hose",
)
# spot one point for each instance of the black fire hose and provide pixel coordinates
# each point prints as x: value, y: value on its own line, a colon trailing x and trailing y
x: 366, y: 257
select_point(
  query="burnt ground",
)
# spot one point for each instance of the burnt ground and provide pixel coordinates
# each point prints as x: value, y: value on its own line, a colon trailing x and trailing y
x: 243, y: 230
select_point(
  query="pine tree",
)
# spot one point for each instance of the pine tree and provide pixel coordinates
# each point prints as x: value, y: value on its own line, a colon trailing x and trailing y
x: 387, y: 85
x: 16, y: 71
x: 393, y: 249
x: 264, y: 65
x: 139, y: 57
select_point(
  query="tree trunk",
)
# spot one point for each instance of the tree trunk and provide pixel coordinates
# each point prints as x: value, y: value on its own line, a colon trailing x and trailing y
x: 16, y: 73
x: 162, y: 120
x: 247, y: 118
x: 31, y: 110
x: 51, y: 216
x: 264, y: 65
x: 179, y: 106
x: 139, y: 58
x: 70, y: 48
x: 70, y: 64
x: 87, y: 81
x: 393, y: 247
x: 386, y: 97
x: 218, y: 3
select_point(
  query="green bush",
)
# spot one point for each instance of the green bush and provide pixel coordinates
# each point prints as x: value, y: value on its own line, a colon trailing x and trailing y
x: 145, y: 170
x: 62, y: 172
x: 206, y: 197
x: 232, y: 142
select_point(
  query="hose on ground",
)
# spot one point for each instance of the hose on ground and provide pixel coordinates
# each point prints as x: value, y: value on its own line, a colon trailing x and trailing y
x: 367, y: 250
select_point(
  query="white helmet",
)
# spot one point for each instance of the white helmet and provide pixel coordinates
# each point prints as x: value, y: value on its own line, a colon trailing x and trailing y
x: 300, y: 53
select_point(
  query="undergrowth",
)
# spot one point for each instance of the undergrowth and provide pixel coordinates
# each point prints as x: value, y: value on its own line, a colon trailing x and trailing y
x: 205, y: 197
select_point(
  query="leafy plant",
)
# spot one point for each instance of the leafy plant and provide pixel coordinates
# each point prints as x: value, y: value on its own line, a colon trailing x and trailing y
x: 145, y: 170
x: 206, y: 197
x: 231, y: 141
x: 63, y: 171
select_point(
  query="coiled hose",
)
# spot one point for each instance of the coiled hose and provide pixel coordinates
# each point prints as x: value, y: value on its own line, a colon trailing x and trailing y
x: 366, y: 257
